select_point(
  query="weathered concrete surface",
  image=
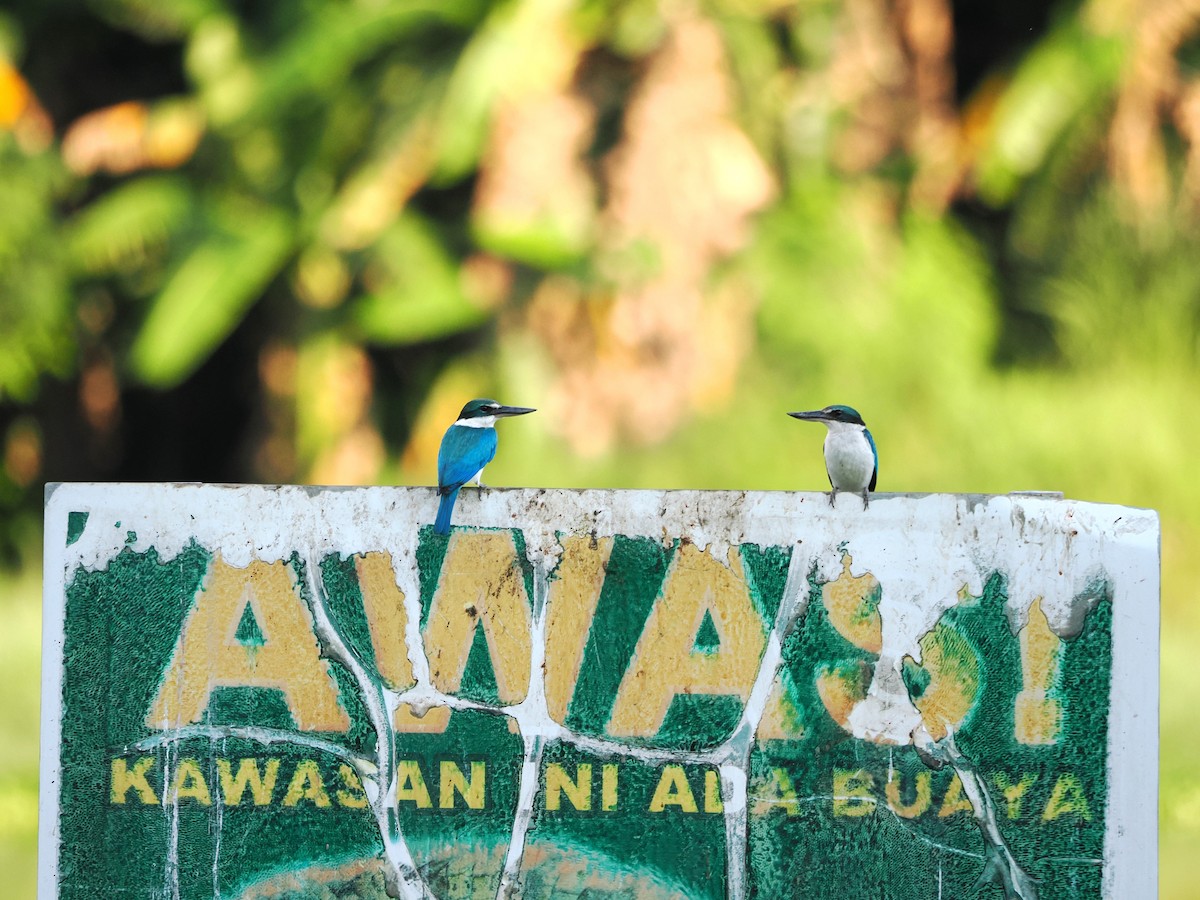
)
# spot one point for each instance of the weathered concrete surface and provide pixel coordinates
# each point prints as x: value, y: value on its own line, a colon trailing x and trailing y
x: 269, y: 691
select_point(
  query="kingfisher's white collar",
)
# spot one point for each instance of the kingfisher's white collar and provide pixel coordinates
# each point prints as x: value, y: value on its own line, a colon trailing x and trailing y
x: 477, y: 422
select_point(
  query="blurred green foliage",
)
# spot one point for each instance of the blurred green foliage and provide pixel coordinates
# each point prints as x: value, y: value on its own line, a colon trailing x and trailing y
x: 284, y: 242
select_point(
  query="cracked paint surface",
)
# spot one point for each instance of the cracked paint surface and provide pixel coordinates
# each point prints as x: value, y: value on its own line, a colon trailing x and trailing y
x: 267, y: 692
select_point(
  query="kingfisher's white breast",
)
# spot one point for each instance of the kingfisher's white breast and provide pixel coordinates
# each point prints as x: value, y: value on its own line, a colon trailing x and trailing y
x: 848, y: 458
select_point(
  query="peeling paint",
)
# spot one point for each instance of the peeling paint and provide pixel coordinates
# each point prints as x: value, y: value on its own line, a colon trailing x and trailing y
x: 956, y: 579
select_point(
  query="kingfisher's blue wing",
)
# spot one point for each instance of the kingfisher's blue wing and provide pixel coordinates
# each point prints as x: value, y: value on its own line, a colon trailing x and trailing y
x: 875, y: 453
x: 463, y: 453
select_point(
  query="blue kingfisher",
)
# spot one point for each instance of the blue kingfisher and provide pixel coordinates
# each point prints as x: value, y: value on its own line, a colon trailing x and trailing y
x: 468, y: 445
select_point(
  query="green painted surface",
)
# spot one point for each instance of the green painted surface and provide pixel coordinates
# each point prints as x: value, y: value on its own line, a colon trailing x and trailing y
x: 632, y: 582
x: 707, y: 638
x: 829, y: 814
x: 926, y: 841
x: 248, y: 633
x: 122, y: 623
x: 680, y: 850
x: 76, y: 522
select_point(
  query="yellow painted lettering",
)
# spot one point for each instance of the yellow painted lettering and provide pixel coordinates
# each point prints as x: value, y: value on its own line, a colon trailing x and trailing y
x: 481, y: 586
x: 233, y: 787
x: 306, y: 784
x: 574, y: 593
x: 125, y: 779
x: 1014, y: 793
x: 455, y: 779
x: 782, y: 719
x: 351, y: 795
x: 841, y: 687
x: 954, y: 670
x: 673, y: 790
x: 410, y: 784
x: 1037, y: 716
x: 666, y: 662
x: 579, y: 791
x: 383, y: 602
x: 920, y: 803
x: 852, y: 602
x: 852, y: 792
x: 712, y: 792
x: 608, y: 787
x: 955, y: 800
x: 775, y: 792
x: 189, y: 782
x: 1067, y: 798
x: 207, y: 654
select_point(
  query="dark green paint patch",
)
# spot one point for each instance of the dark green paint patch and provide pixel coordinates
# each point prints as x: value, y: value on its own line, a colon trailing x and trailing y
x: 524, y: 564
x: 678, y: 852
x: 121, y: 628
x: 916, y: 678
x: 800, y: 847
x: 766, y: 574
x: 707, y: 638
x: 698, y: 721
x: 633, y: 581
x: 346, y: 612
x: 248, y: 633
x: 928, y: 842
x: 479, y: 678
x: 448, y: 828
x: 76, y: 522
x: 431, y: 553
x: 249, y: 706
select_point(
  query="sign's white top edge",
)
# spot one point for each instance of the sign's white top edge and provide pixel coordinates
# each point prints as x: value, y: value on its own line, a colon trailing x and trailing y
x: 85, y: 488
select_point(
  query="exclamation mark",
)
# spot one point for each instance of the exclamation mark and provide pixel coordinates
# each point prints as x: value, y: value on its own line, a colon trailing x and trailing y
x: 1037, y: 717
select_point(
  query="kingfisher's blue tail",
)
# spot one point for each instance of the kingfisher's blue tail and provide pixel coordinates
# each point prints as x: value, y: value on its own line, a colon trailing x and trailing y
x: 445, y: 507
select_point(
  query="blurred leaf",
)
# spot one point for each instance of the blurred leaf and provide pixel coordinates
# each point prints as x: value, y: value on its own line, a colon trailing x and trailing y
x: 943, y: 309
x: 1120, y: 297
x: 11, y: 43
x: 817, y: 270
x: 421, y: 295
x: 521, y: 46
x: 1066, y: 75
x: 547, y: 242
x: 336, y: 38
x: 35, y: 299
x: 637, y: 27
x: 115, y: 232
x: 209, y: 294
x: 154, y: 19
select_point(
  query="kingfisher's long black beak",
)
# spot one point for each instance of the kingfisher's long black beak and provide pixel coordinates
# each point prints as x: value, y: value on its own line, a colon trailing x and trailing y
x: 812, y: 415
x: 512, y: 411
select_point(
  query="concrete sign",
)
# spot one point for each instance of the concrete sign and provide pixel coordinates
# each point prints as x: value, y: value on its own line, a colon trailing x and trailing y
x: 263, y: 692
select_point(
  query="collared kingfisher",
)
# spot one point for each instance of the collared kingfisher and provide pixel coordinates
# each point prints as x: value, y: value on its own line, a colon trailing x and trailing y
x: 468, y: 445
x: 851, y: 460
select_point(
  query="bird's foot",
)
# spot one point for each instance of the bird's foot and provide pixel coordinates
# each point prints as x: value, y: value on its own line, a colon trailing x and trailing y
x: 833, y: 497
x: 865, y: 500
